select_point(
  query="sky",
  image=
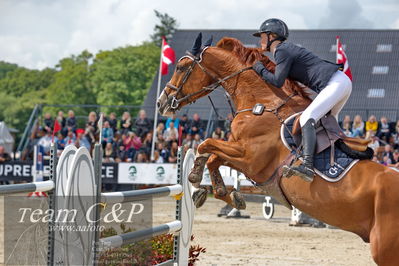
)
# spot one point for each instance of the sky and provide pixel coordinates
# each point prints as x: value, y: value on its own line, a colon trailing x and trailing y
x: 38, y: 33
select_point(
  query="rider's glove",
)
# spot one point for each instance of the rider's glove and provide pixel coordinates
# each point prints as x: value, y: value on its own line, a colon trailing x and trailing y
x: 258, y: 67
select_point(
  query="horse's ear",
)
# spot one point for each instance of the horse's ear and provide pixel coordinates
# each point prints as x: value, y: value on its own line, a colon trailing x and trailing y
x: 197, y: 45
x: 208, y: 42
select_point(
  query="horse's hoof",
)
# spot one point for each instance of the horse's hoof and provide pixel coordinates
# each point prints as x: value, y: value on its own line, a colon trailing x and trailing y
x: 238, y: 201
x: 221, y: 191
x: 199, y: 197
x: 194, y: 176
x: 196, y: 173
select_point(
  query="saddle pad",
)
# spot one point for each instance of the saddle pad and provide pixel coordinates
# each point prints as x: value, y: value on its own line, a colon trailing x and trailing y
x: 332, y: 173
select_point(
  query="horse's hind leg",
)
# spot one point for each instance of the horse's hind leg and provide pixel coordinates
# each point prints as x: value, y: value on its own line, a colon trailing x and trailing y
x: 233, y: 198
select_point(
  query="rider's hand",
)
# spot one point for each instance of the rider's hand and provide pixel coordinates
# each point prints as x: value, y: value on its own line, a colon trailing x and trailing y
x: 258, y: 67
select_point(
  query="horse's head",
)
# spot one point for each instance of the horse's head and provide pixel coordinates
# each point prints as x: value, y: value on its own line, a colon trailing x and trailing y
x: 189, y: 82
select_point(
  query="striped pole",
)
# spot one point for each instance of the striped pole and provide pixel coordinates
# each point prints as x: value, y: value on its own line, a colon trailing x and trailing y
x: 132, y: 237
x: 133, y: 195
x: 28, y: 187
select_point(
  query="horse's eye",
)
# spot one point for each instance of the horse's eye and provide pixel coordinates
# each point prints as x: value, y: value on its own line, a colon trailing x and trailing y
x: 179, y: 68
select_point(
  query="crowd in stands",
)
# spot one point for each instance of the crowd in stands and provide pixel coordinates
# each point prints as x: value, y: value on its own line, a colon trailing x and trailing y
x: 130, y: 139
x: 127, y: 139
x: 384, y: 136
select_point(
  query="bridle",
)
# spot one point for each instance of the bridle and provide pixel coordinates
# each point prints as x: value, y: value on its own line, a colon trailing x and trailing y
x: 174, y: 102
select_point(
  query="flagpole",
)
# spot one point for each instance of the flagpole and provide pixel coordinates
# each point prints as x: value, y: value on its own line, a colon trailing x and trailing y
x: 336, y: 54
x: 154, y: 134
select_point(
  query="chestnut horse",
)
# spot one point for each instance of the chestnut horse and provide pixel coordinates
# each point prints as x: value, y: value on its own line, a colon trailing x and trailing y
x: 365, y: 202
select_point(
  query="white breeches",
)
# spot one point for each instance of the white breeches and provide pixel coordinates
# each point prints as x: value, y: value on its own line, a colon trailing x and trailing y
x: 332, y: 98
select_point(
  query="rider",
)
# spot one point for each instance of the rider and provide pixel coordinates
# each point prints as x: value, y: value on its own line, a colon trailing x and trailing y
x: 323, y: 77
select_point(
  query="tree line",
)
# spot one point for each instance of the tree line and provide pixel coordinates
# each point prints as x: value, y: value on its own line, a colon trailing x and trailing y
x: 121, y: 76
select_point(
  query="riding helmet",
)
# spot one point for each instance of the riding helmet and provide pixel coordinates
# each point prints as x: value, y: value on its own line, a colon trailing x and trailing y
x: 273, y: 25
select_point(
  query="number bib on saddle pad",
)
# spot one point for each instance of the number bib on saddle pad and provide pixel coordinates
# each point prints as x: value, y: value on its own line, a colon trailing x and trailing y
x: 332, y: 173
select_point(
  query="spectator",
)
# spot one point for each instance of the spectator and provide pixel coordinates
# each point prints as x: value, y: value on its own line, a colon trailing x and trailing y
x: 188, y: 141
x: 70, y: 122
x: 197, y: 141
x: 374, y: 144
x: 346, y: 120
x: 184, y: 123
x: 386, y: 161
x: 173, y: 119
x: 160, y: 139
x: 147, y: 144
x: 357, y: 126
x: 107, y: 134
x: 46, y: 140
x: 227, y: 122
x: 173, y: 153
x: 91, y: 125
x: 347, y: 125
x: 141, y: 157
x: 164, y: 153
x: 371, y: 126
x: 384, y: 130
x: 109, y: 153
x: 170, y: 131
x: 126, y: 123
x: 113, y: 122
x: 218, y: 133
x: 196, y: 125
x: 121, y: 154
x: 143, y: 124
x: 132, y: 145
x: 395, y: 136
x: 375, y: 158
x: 60, y: 143
x: 160, y: 128
x: 388, y: 153
x: 157, y: 157
x: 70, y: 138
x: 48, y: 122
x: 173, y: 138
x: 117, y: 140
x: 61, y: 119
x: 82, y: 140
x: 4, y: 157
x: 395, y: 157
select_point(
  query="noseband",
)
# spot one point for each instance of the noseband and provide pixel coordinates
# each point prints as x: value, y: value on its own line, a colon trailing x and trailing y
x: 174, y: 102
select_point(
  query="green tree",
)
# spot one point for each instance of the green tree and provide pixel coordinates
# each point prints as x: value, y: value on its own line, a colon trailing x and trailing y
x: 71, y: 84
x: 124, y: 75
x: 5, y: 68
x: 166, y: 27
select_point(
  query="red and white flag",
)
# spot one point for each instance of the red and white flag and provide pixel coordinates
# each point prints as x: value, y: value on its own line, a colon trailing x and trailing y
x: 342, y: 59
x: 168, y: 56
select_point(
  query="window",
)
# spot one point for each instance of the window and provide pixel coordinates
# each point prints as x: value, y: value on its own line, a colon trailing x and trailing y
x: 384, y: 48
x: 380, y: 70
x: 334, y: 47
x: 376, y: 93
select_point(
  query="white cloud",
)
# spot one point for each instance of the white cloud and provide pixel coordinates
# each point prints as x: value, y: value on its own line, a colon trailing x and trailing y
x: 38, y: 33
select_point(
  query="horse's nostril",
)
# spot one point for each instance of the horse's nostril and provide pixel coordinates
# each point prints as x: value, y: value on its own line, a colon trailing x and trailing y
x: 158, y: 104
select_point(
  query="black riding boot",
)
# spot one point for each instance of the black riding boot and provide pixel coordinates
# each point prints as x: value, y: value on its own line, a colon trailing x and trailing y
x: 305, y: 170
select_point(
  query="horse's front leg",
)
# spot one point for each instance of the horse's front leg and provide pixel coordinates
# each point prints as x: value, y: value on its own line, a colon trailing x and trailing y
x: 232, y: 197
x: 226, y: 152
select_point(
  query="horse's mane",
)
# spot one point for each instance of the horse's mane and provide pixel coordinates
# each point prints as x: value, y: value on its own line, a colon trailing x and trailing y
x: 248, y: 56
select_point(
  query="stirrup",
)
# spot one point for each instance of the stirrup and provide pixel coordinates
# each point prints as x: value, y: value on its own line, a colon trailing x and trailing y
x: 306, y: 174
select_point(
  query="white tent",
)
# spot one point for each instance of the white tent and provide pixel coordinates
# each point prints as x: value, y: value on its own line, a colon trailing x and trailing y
x: 6, y: 140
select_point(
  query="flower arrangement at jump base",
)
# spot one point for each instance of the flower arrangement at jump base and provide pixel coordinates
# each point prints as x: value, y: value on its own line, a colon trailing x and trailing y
x: 147, y: 252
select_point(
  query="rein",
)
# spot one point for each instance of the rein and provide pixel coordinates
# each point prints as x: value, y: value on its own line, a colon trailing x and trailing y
x: 175, y: 103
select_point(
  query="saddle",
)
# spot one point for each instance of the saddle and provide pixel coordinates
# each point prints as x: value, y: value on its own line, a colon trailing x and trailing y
x: 327, y: 133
